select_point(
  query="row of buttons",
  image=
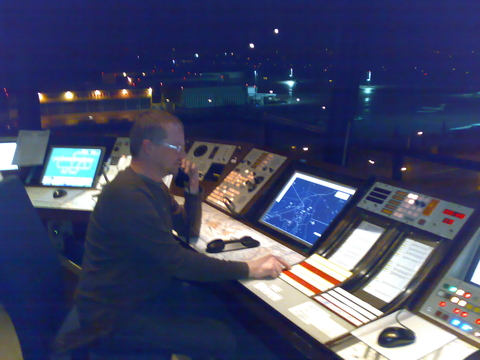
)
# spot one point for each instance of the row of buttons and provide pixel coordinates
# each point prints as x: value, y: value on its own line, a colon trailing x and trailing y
x: 458, y: 323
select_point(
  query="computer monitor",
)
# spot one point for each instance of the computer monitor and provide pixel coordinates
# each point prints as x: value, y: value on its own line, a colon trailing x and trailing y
x: 7, y: 150
x: 72, y: 166
x: 305, y: 206
x: 472, y: 275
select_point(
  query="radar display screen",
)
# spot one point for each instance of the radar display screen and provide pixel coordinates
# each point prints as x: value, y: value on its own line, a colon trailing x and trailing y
x: 306, y: 206
x: 72, y: 166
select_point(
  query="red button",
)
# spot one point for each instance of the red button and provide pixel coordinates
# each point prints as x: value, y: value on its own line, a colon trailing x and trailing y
x: 478, y: 321
x: 442, y: 303
x: 467, y: 295
x: 456, y: 311
x: 464, y: 314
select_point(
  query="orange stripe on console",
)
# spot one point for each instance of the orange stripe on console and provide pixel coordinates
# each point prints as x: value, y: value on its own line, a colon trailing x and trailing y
x: 320, y: 273
x: 301, y: 281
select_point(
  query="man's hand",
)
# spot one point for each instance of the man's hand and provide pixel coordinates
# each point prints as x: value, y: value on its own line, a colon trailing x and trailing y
x: 266, y: 266
x: 192, y: 171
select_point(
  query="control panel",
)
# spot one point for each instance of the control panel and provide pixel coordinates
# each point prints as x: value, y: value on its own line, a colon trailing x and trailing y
x: 245, y: 181
x: 456, y: 304
x: 210, y: 158
x: 119, y: 159
x: 436, y: 216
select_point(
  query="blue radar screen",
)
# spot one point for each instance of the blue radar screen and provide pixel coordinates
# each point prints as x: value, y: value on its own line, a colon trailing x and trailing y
x: 306, y: 207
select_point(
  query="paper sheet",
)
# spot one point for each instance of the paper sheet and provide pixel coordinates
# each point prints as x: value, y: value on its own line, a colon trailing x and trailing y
x: 31, y: 147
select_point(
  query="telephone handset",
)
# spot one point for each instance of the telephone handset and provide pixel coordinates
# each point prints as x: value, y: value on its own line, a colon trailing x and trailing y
x: 182, y: 179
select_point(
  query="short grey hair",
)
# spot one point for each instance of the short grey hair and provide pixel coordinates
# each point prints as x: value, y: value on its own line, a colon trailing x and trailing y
x: 150, y: 125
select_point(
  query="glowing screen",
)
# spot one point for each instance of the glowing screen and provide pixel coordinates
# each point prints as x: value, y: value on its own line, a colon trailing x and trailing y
x: 7, y: 150
x: 72, y: 166
x: 305, y: 207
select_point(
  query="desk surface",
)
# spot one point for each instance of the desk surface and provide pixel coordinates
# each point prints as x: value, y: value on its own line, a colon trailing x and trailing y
x: 301, y: 310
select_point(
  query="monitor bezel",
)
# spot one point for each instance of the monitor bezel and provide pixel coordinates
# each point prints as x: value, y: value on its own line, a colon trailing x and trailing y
x: 325, y: 175
x: 97, y: 170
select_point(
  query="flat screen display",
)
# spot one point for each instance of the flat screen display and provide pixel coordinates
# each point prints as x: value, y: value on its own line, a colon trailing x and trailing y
x: 305, y: 206
x: 72, y: 166
x: 7, y: 150
x: 473, y: 272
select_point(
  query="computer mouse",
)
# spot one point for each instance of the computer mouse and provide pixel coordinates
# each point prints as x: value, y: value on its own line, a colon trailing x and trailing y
x: 215, y: 246
x: 396, y: 336
x: 473, y: 356
x: 59, y: 193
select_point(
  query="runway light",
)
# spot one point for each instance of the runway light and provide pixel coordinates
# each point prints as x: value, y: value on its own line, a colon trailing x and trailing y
x: 271, y: 91
x: 324, y: 107
x: 305, y: 148
x: 275, y: 31
x: 124, y: 74
x: 420, y: 133
x: 209, y: 100
x: 403, y: 169
x: 252, y: 45
x: 371, y: 162
x: 298, y: 99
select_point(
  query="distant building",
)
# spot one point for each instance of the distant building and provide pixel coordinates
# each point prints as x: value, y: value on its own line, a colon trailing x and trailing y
x: 99, y: 106
x: 196, y: 97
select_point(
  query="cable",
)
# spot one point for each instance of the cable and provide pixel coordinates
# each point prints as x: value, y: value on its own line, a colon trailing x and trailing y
x: 396, y: 318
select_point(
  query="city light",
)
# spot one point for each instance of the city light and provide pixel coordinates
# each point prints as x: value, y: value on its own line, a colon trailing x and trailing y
x: 252, y: 45
x: 275, y: 31
x: 371, y: 162
x: 403, y: 169
x: 41, y: 97
x: 420, y: 133
x: 305, y: 148
x: 97, y: 93
x: 124, y: 92
x: 69, y: 95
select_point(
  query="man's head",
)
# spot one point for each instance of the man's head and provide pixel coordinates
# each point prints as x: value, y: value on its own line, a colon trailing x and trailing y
x: 157, y: 140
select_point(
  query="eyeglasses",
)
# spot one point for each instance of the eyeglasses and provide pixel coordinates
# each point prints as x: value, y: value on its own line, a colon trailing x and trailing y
x: 176, y: 147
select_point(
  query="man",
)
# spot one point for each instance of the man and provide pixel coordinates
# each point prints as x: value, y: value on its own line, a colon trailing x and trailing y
x: 130, y: 285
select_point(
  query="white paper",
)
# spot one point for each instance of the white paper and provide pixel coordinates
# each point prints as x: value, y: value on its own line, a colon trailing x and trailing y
x: 31, y: 147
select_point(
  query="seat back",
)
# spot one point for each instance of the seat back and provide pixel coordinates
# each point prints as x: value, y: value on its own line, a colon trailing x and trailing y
x: 31, y: 280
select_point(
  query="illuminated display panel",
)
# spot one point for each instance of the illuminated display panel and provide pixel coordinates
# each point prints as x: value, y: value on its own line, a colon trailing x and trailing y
x: 399, y: 271
x: 72, y: 166
x: 7, y: 150
x: 357, y: 245
x: 305, y: 206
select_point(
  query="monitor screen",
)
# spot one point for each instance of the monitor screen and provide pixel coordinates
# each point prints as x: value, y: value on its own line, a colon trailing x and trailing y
x: 305, y: 206
x: 7, y: 150
x: 473, y: 272
x: 72, y: 166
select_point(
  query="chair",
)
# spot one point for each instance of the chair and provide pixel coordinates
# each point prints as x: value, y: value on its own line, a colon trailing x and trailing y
x: 32, y: 284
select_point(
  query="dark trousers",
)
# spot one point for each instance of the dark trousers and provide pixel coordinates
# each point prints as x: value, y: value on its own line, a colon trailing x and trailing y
x: 192, y: 321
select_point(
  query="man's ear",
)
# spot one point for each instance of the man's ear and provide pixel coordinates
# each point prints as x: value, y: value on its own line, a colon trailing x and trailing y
x: 147, y: 146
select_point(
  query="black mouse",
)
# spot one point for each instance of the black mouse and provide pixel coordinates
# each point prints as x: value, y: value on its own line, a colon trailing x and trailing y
x: 396, y: 336
x: 473, y: 356
x: 59, y: 193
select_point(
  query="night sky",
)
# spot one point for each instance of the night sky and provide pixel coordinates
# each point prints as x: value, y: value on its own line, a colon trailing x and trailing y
x: 90, y: 34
